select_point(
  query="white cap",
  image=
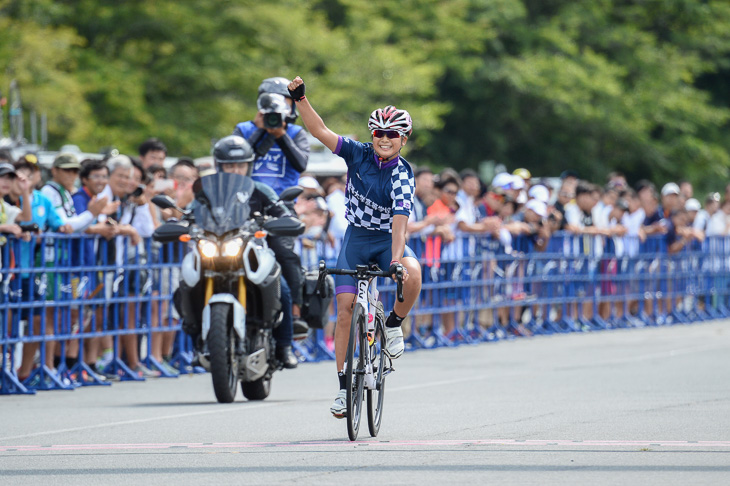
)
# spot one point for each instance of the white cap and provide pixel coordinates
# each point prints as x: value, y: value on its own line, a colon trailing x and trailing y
x: 692, y: 204
x: 670, y: 188
x: 539, y: 192
x: 309, y: 182
x: 539, y: 207
x: 517, y: 182
x: 503, y: 180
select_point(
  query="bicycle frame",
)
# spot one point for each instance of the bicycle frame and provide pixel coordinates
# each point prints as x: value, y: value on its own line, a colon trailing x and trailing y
x: 367, y: 295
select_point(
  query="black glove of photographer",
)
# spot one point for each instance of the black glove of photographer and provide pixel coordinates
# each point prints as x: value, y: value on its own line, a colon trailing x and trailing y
x: 298, y: 93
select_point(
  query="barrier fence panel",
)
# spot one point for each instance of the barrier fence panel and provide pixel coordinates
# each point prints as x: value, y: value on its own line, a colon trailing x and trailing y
x: 81, y: 300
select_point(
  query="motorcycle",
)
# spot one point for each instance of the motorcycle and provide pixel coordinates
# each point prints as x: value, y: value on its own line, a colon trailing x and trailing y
x: 233, y: 280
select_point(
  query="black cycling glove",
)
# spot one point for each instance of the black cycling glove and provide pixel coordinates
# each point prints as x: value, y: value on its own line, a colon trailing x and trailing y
x: 298, y: 93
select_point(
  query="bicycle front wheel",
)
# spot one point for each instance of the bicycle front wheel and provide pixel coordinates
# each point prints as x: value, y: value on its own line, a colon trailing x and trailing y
x: 355, y: 371
x: 380, y: 362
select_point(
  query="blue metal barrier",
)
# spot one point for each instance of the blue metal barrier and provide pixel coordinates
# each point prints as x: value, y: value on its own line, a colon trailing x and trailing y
x: 64, y: 292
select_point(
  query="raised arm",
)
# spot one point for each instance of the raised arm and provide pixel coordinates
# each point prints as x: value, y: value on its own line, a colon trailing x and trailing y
x: 311, y: 119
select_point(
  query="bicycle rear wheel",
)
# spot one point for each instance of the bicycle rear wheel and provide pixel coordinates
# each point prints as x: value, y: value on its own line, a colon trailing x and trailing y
x: 354, y: 371
x: 380, y: 362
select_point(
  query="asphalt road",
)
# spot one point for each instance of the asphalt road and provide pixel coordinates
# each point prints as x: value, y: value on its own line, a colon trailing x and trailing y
x: 647, y: 406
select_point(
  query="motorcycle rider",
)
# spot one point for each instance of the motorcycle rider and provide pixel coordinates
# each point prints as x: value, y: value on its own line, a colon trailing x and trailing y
x: 233, y: 154
x: 282, y: 153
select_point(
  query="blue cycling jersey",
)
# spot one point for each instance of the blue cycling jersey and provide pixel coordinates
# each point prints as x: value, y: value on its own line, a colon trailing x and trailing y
x: 375, y: 192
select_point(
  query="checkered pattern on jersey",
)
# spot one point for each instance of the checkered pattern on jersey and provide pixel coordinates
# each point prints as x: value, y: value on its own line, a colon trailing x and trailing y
x: 402, y: 191
x: 365, y: 213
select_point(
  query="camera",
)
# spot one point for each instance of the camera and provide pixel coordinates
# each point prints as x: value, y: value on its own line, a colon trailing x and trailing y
x: 274, y: 109
x: 138, y: 191
x: 273, y: 120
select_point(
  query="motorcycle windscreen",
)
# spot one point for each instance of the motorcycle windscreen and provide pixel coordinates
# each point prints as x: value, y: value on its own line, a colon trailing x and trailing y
x: 223, y: 202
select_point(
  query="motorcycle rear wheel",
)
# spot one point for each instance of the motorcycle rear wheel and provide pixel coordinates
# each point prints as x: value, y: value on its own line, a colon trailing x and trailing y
x: 222, y: 345
x: 257, y: 389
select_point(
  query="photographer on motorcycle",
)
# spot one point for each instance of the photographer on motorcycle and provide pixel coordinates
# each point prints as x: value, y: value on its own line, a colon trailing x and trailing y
x: 281, y: 154
x: 232, y: 154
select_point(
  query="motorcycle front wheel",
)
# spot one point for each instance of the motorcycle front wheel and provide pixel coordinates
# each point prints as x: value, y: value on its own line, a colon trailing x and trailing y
x: 258, y: 389
x: 222, y: 346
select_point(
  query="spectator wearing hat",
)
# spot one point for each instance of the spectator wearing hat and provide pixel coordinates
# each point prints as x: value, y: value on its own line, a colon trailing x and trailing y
x: 531, y: 221
x: 539, y: 192
x: 671, y: 199
x: 30, y: 161
x: 59, y: 190
x: 692, y: 206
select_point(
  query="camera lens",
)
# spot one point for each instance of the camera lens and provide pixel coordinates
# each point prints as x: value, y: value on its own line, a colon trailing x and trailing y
x: 272, y: 120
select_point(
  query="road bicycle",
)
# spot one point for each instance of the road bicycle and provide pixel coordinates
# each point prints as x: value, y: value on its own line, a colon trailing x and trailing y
x: 366, y: 364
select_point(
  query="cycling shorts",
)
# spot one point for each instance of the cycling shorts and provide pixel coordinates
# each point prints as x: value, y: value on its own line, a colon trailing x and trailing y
x: 362, y: 247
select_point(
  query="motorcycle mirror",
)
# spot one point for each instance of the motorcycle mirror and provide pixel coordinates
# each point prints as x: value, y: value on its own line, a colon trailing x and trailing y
x: 290, y: 193
x: 170, y: 232
x: 163, y: 201
x: 166, y: 202
x: 284, y: 226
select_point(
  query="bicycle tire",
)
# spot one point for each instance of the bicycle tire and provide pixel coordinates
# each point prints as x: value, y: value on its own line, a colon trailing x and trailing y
x: 375, y: 398
x: 354, y: 376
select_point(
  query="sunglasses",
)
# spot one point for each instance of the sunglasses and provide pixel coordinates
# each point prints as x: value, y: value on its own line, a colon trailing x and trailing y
x: 386, y: 133
x: 450, y: 191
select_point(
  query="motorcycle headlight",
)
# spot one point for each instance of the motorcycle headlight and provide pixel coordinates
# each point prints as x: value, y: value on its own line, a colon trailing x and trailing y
x: 232, y: 248
x: 208, y: 249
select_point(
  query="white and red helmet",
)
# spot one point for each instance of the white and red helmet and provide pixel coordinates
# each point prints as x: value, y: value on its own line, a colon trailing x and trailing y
x: 391, y: 118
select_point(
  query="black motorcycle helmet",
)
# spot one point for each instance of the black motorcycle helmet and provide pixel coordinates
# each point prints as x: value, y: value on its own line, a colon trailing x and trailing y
x: 279, y: 85
x: 233, y: 150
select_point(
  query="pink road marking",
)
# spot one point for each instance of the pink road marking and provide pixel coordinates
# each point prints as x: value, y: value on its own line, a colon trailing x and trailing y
x: 394, y: 443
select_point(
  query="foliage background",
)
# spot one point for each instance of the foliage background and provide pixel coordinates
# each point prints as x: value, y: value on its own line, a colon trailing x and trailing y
x: 641, y: 86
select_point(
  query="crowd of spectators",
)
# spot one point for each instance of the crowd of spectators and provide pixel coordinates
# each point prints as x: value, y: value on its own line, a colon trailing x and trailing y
x: 107, y: 198
x: 110, y: 199
x: 449, y: 206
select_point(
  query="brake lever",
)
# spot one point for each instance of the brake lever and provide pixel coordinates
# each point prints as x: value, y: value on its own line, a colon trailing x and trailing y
x: 399, y: 282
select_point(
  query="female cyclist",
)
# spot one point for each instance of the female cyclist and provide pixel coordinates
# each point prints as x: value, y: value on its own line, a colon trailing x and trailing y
x: 380, y: 188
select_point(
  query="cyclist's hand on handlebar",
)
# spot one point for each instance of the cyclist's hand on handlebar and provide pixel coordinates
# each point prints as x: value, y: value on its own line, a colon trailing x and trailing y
x: 394, y: 268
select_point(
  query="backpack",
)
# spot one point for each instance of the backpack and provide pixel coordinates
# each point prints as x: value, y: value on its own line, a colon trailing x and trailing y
x: 315, y: 306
